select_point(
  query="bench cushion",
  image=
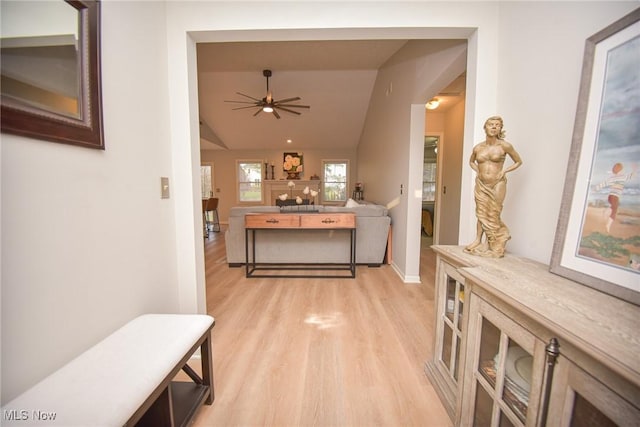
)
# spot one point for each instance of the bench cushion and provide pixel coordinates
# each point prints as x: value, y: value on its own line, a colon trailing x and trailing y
x: 105, y: 385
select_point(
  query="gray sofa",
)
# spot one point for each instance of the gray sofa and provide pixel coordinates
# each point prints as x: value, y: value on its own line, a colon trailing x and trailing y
x: 312, y: 246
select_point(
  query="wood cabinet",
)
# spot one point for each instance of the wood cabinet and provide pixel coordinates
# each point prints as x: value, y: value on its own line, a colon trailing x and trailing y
x: 535, y: 349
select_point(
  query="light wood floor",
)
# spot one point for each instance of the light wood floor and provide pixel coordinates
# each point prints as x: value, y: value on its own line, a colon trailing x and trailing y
x: 320, y: 352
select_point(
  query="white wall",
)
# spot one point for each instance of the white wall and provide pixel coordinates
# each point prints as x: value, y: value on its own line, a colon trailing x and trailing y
x: 107, y: 248
x: 540, y: 62
x: 392, y: 144
x: 87, y: 243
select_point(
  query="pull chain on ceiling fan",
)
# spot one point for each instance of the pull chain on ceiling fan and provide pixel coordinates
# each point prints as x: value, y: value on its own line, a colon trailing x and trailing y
x: 268, y: 104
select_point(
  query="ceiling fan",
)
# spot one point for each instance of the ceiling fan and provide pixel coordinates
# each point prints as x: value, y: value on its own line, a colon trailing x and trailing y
x: 268, y: 104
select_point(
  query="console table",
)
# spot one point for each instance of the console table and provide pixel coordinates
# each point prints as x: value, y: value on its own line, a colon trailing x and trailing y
x: 292, y: 222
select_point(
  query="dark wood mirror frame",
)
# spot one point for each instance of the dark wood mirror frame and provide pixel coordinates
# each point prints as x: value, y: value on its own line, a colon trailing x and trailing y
x: 87, y: 129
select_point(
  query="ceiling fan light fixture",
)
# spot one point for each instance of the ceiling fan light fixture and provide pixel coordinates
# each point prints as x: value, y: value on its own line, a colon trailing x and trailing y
x: 432, y: 104
x: 268, y: 104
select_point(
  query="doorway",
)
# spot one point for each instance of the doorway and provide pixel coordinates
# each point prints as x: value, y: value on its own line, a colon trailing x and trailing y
x: 442, y: 173
x: 409, y: 261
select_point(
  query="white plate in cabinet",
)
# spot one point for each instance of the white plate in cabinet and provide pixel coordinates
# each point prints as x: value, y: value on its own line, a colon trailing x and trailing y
x: 504, y: 370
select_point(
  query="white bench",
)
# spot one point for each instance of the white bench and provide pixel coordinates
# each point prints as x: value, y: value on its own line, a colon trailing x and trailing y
x: 126, y: 379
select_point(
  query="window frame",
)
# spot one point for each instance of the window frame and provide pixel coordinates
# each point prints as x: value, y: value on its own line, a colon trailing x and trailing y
x: 435, y: 163
x: 206, y: 180
x: 238, y: 182
x: 324, y: 162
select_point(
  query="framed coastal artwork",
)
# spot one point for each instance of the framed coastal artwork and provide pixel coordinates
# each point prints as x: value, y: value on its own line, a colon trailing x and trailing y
x: 598, y: 235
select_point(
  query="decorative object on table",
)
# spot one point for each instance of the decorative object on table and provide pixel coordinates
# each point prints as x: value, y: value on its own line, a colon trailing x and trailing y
x: 306, y: 192
x: 273, y: 173
x: 487, y: 160
x: 292, y: 165
x: 291, y: 202
x: 291, y: 186
x: 309, y: 192
x: 315, y: 177
x: 293, y: 205
x: 358, y: 193
x: 598, y: 231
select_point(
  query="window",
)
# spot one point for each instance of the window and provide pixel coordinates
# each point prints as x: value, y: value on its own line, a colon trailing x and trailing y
x: 429, y: 182
x: 429, y: 171
x: 334, y: 180
x: 249, y: 180
x: 206, y: 180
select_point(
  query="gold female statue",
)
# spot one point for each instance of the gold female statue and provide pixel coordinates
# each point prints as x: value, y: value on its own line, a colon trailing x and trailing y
x: 487, y: 159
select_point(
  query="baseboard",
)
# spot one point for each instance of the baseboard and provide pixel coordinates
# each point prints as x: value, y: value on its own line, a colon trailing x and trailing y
x: 405, y: 278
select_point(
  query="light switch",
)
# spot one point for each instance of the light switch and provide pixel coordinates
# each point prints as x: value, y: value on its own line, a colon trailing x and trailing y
x: 164, y: 187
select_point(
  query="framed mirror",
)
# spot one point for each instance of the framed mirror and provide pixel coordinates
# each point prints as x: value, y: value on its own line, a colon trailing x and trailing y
x: 50, y: 71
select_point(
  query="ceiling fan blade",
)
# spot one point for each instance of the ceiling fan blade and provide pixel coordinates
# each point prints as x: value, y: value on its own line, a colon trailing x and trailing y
x: 292, y: 105
x: 297, y: 98
x: 285, y: 109
x: 268, y: 102
x: 250, y: 97
x: 242, y: 102
x: 243, y: 108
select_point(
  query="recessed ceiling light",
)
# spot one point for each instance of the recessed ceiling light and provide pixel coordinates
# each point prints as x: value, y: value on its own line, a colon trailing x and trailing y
x: 433, y: 104
x: 289, y: 141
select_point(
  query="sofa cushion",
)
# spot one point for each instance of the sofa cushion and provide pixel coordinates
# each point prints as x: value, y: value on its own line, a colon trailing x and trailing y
x: 351, y: 204
x: 242, y: 210
x: 360, y: 210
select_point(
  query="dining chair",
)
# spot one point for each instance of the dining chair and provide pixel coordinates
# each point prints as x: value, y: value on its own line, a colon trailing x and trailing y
x: 212, y: 224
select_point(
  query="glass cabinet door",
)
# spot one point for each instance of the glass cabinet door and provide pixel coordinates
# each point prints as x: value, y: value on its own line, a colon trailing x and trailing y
x: 580, y: 399
x: 444, y: 370
x: 452, y: 309
x: 507, y: 366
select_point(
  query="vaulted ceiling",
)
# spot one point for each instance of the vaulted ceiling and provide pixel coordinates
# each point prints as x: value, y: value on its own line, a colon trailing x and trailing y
x: 335, y: 78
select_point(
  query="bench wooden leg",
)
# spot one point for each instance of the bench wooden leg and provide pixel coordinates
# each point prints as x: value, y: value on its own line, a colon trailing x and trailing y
x: 160, y: 414
x: 207, y: 368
